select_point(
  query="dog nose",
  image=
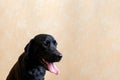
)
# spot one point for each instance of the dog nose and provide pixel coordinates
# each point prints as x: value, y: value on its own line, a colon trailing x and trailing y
x: 59, y: 57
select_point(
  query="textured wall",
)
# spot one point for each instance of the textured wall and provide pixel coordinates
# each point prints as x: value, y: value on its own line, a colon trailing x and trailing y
x: 88, y: 33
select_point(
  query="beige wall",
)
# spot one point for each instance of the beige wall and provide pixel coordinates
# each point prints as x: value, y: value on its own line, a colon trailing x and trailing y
x: 88, y: 33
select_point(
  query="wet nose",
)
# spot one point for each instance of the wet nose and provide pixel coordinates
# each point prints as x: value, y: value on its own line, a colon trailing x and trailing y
x: 59, y: 57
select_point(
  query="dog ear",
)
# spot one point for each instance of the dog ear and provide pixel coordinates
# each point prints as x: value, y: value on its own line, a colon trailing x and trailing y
x: 28, y: 46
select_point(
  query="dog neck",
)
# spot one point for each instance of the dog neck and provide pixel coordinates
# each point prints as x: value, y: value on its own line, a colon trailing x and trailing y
x: 33, y: 70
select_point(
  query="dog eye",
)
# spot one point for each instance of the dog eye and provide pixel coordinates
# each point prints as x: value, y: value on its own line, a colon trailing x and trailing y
x: 46, y: 43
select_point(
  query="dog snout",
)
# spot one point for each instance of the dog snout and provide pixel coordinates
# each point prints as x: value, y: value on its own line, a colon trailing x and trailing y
x: 58, y: 56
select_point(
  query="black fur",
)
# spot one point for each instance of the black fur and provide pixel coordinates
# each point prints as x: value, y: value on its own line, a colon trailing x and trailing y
x: 30, y: 64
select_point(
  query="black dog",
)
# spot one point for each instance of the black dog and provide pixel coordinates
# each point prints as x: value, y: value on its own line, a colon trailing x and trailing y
x: 39, y: 56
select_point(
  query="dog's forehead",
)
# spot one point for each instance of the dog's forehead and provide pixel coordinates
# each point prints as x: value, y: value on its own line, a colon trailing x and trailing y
x: 44, y: 38
x: 49, y: 38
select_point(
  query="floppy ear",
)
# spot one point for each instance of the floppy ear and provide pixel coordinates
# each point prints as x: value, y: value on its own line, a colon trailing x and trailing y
x: 28, y: 46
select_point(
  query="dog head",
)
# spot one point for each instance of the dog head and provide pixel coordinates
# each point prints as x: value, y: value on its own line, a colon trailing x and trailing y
x: 43, y: 49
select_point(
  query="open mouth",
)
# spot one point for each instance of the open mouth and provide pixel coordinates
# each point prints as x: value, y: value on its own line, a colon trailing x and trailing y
x: 51, y: 66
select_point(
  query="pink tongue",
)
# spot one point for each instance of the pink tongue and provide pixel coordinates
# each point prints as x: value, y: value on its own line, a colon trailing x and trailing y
x: 52, y: 68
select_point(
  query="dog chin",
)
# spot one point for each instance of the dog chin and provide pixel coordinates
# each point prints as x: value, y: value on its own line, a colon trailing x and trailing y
x: 50, y: 66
